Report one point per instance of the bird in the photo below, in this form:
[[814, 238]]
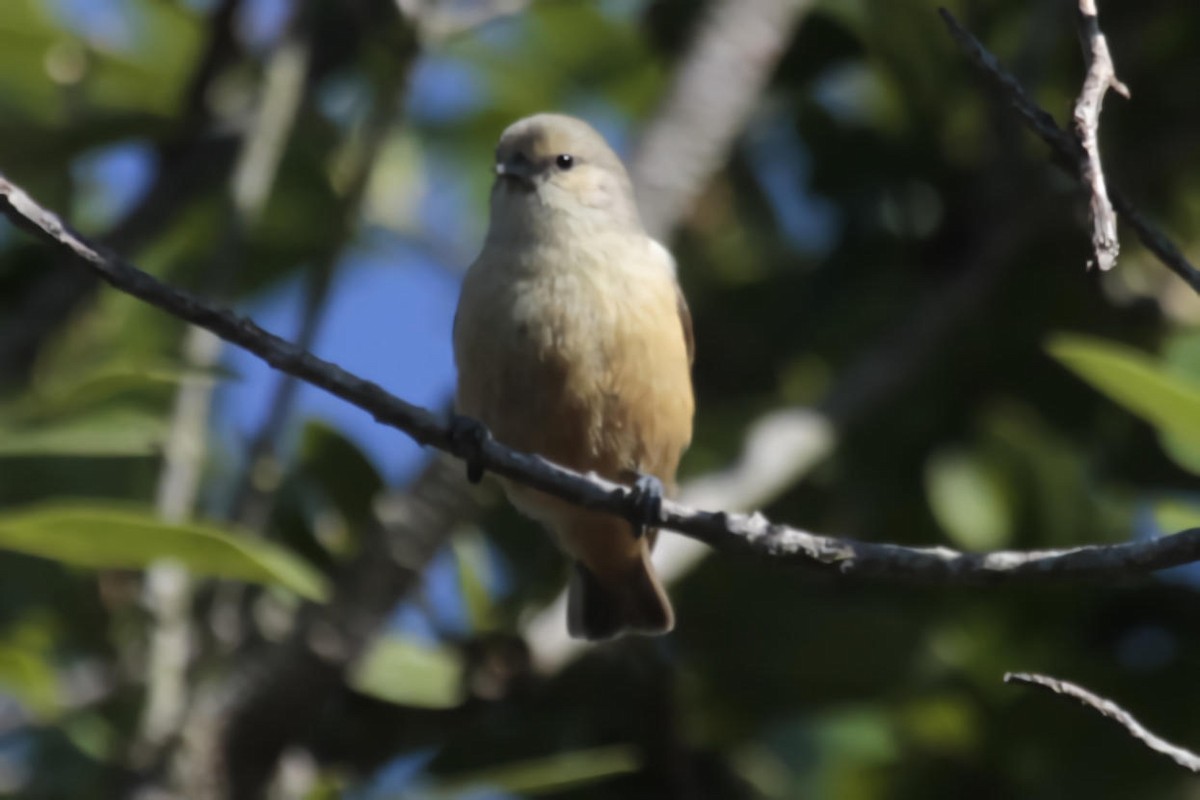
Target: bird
[[573, 341]]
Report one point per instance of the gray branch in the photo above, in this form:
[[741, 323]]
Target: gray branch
[[747, 534], [1067, 150], [1101, 76], [715, 89], [1184, 758]]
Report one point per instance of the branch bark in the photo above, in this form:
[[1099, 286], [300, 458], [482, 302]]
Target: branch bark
[[744, 534], [1067, 150], [1184, 758], [1101, 76], [281, 697], [712, 94]]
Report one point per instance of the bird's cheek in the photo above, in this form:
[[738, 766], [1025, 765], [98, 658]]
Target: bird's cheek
[[593, 193]]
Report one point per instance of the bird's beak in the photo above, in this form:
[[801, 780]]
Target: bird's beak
[[516, 171]]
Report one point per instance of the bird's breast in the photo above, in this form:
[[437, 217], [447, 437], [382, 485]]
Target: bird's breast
[[577, 354]]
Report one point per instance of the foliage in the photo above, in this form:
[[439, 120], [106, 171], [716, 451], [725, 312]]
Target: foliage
[[881, 214]]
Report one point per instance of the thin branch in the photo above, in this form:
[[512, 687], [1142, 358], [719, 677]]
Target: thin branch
[[280, 697], [169, 588], [1067, 150], [440, 22], [711, 96], [1184, 758], [748, 534], [1101, 76]]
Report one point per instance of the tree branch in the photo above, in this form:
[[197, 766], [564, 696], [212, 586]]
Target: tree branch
[[748, 534], [1184, 758], [712, 94], [1101, 76], [1067, 150], [280, 697]]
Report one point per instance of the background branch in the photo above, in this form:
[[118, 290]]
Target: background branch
[[1184, 758], [169, 588], [1068, 151], [712, 94], [1101, 76]]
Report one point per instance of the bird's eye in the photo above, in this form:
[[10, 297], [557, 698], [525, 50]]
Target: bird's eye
[[565, 161]]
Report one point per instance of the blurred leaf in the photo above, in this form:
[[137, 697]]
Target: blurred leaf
[[88, 390], [969, 500], [111, 382], [944, 723], [106, 537], [1173, 515], [864, 733], [114, 432], [398, 670], [344, 473], [1183, 450], [474, 567], [93, 735], [1046, 473], [1182, 355], [1143, 386], [555, 773], [25, 667]]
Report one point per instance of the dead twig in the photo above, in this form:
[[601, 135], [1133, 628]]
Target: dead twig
[[1067, 150], [1101, 76]]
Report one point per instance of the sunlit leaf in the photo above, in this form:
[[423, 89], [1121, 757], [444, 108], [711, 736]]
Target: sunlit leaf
[[110, 537], [1173, 516], [471, 558], [113, 432], [109, 383], [1181, 354], [969, 500], [555, 773], [1141, 384], [406, 673], [26, 671]]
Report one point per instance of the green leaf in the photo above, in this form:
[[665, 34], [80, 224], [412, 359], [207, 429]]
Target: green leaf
[[471, 558], [106, 384], [101, 537], [113, 432], [969, 500], [401, 671], [555, 773], [1172, 515], [26, 671], [344, 473], [1144, 386], [1182, 355]]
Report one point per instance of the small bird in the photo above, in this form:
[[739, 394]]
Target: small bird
[[574, 341]]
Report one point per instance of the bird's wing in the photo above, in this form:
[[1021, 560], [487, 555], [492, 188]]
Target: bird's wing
[[685, 314]]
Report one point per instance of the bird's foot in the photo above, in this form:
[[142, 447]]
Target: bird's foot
[[648, 495], [467, 438]]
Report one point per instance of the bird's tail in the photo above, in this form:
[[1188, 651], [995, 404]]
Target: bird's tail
[[634, 602]]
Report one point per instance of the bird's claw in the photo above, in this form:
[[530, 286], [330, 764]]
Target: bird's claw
[[467, 437], [648, 495]]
